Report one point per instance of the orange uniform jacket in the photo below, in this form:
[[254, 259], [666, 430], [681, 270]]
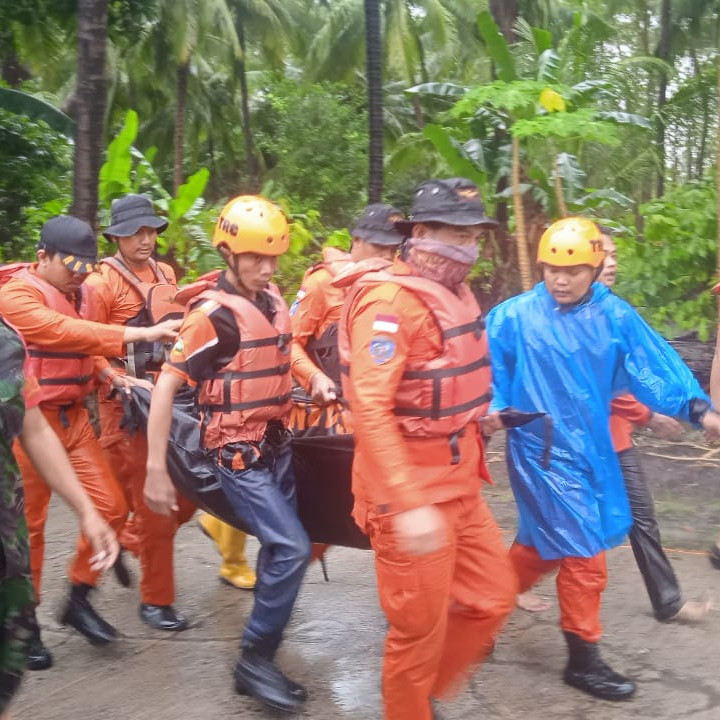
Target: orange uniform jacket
[[116, 300], [626, 412], [393, 472], [23, 305], [317, 305]]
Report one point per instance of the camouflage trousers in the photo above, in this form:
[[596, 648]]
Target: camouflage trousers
[[17, 627], [17, 597]]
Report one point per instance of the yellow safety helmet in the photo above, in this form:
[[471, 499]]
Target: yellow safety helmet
[[250, 223], [571, 241]]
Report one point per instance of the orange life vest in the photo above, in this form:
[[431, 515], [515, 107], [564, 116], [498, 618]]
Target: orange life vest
[[64, 377], [322, 348], [144, 359], [438, 396], [254, 387]]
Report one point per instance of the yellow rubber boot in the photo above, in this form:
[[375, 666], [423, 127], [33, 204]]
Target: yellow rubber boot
[[230, 542]]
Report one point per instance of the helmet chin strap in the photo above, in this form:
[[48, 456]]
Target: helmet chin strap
[[233, 265]]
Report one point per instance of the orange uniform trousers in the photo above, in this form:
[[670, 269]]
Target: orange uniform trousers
[[580, 582], [72, 426], [153, 534], [445, 609]]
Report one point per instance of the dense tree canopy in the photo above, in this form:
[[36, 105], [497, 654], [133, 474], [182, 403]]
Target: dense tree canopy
[[602, 107]]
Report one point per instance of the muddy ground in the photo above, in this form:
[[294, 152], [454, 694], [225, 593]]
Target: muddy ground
[[334, 643]]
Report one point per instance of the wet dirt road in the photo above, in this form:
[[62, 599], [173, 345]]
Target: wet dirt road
[[334, 643]]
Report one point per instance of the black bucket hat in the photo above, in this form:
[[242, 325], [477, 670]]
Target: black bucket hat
[[378, 225], [129, 214], [73, 240], [455, 201]]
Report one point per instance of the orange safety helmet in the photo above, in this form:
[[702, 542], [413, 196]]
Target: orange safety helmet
[[252, 224], [571, 241]]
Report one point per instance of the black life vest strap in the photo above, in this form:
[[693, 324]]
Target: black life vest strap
[[476, 327], [435, 413], [439, 374], [50, 354], [251, 374], [280, 341], [78, 380], [455, 446], [235, 407]]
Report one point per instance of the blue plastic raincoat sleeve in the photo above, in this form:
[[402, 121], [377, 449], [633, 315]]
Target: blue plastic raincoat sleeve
[[652, 370], [502, 363]]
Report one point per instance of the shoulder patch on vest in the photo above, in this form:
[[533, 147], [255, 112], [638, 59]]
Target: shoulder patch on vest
[[382, 349]]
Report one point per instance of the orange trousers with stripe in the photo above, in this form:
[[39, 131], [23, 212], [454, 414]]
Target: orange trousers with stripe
[[580, 583], [445, 609], [152, 535], [73, 428]]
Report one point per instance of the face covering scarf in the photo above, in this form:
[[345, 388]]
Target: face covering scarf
[[447, 264]]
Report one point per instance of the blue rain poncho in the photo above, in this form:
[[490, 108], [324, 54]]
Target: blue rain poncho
[[570, 363]]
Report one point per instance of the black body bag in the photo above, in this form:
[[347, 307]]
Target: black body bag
[[323, 467]]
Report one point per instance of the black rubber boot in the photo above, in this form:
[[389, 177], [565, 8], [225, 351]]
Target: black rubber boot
[[120, 570], [586, 671], [81, 615], [256, 675], [38, 657], [163, 617]]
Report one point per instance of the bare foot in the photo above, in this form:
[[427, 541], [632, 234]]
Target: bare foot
[[692, 611], [530, 602]]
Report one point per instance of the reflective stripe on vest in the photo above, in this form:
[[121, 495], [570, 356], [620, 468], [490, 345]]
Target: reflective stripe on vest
[[64, 377], [254, 387]]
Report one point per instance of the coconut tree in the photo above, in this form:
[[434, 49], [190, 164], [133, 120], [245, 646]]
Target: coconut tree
[[373, 52], [267, 25], [415, 39], [90, 106], [182, 30]]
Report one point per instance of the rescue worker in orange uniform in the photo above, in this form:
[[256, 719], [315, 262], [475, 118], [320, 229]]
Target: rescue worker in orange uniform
[[131, 289], [418, 385], [314, 360], [316, 311], [235, 345], [46, 303], [315, 314]]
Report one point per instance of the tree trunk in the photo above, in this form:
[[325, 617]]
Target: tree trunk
[[520, 237], [559, 194], [12, 71], [183, 70], [705, 124], [644, 26], [717, 163], [505, 13], [663, 52], [90, 115], [373, 55], [250, 158], [424, 77]]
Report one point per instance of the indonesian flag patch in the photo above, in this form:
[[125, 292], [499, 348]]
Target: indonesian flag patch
[[385, 323]]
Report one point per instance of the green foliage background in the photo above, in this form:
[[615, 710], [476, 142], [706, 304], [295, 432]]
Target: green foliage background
[[459, 83]]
